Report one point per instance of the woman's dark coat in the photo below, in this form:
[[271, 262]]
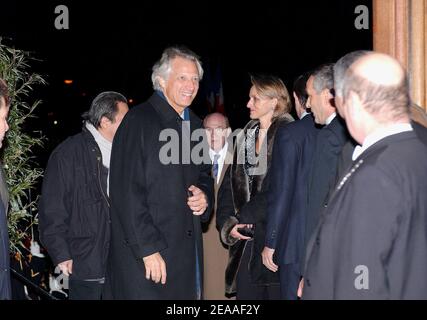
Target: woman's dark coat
[[235, 205]]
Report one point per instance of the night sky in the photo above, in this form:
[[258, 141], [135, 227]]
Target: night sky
[[113, 47]]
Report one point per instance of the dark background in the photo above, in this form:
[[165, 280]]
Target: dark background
[[113, 47]]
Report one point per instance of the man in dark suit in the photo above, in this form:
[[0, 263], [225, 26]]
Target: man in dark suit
[[287, 199], [329, 143], [160, 190], [5, 288], [417, 114], [215, 252], [370, 242], [340, 68]]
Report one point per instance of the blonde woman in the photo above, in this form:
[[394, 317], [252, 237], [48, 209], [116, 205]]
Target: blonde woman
[[241, 215]]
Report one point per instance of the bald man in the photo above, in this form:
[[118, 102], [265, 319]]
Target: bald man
[[417, 114], [371, 241], [215, 254]]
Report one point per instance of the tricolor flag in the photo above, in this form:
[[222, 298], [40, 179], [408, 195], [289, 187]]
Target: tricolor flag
[[213, 90]]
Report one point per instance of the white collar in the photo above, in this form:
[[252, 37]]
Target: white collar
[[330, 119], [303, 114], [221, 152], [97, 135], [380, 134]]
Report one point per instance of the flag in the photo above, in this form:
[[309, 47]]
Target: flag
[[219, 95], [213, 89]]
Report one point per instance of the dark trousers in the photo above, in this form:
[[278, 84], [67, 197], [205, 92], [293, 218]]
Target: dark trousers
[[289, 281], [85, 290], [246, 290]]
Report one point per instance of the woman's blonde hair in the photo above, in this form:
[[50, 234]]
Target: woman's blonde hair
[[272, 87]]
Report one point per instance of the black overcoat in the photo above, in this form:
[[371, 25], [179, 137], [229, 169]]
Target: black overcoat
[[149, 208], [371, 241]]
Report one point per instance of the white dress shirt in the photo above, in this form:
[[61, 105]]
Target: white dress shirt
[[222, 153], [330, 118], [304, 114], [378, 135]]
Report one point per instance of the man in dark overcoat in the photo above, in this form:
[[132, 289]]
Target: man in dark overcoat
[[371, 240], [161, 189]]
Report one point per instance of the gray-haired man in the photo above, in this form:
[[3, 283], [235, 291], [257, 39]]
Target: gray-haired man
[[329, 143], [74, 207], [157, 205]]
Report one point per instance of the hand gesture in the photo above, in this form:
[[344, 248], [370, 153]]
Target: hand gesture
[[198, 202]]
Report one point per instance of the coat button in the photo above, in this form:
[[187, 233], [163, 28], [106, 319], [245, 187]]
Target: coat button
[[308, 282], [318, 241], [189, 233]]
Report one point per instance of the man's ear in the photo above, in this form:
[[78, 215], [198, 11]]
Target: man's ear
[[353, 105], [328, 97], [162, 82], [296, 98], [105, 122]]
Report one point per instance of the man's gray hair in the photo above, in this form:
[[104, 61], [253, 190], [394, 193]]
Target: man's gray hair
[[323, 77], [341, 66], [162, 68], [104, 105]]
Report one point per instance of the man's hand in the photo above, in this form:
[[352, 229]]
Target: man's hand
[[267, 259], [66, 267], [155, 268], [235, 234], [300, 288], [198, 202]]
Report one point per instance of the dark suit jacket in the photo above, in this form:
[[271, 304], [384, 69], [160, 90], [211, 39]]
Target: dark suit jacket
[[376, 221], [287, 198], [329, 143], [149, 210]]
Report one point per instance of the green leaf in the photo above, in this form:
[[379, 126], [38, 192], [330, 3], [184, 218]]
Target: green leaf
[[21, 172]]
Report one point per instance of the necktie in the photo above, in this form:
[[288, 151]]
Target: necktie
[[215, 165]]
